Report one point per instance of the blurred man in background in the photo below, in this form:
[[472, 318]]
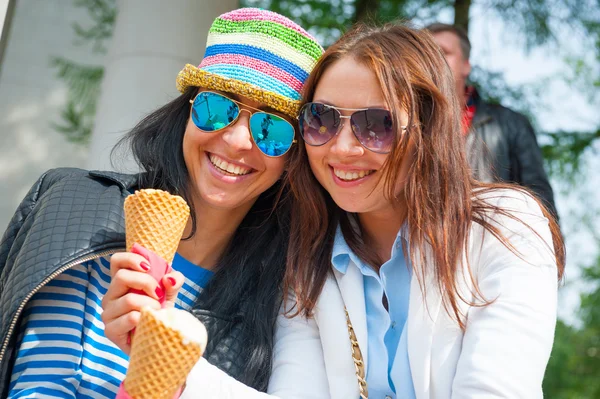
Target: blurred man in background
[[501, 143]]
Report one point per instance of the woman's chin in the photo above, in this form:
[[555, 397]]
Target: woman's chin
[[224, 201], [350, 206]]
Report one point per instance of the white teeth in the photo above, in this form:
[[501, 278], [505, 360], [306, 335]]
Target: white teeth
[[227, 167], [348, 176]]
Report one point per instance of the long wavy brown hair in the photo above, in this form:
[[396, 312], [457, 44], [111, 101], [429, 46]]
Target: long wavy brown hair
[[413, 75]]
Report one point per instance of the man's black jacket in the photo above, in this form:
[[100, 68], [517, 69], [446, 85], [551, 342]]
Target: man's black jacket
[[502, 146]]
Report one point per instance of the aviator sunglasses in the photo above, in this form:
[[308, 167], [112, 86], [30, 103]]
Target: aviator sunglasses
[[372, 127], [272, 134]]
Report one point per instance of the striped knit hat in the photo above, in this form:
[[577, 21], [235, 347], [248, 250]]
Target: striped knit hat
[[257, 54]]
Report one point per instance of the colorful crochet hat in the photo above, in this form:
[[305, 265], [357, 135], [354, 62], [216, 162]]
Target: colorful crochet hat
[[257, 54]]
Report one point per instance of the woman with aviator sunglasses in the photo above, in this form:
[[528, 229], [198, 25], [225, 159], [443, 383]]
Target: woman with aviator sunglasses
[[223, 146], [448, 285], [409, 279], [271, 133]]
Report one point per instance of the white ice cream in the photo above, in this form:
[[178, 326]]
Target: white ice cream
[[190, 327]]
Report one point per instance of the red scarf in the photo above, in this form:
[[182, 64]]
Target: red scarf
[[469, 110]]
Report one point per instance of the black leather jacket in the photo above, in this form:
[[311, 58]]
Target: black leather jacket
[[502, 146], [70, 216]]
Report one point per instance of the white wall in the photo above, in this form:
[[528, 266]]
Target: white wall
[[152, 42], [31, 96]]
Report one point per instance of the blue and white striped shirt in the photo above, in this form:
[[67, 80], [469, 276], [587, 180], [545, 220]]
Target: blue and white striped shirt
[[63, 352]]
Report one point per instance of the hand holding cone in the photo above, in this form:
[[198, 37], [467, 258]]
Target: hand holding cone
[[162, 353], [167, 344]]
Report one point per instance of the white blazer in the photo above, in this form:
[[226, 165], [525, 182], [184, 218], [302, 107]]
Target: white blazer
[[502, 353]]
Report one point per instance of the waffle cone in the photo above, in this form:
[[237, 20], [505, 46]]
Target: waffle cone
[[155, 219], [161, 358]]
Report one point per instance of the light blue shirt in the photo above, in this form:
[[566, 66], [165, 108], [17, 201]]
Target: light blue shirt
[[388, 369]]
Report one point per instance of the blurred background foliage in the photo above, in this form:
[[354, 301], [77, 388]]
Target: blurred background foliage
[[574, 368], [83, 81]]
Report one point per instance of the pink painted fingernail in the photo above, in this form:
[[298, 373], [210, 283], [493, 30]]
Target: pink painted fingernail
[[171, 281], [145, 265]]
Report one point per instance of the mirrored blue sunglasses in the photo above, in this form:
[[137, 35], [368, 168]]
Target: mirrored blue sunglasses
[[272, 134]]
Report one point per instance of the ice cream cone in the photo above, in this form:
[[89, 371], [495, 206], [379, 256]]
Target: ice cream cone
[[155, 219], [166, 346]]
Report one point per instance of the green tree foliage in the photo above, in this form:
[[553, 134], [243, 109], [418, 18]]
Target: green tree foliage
[[574, 367], [328, 19], [532, 22], [325, 19], [565, 152], [83, 81]]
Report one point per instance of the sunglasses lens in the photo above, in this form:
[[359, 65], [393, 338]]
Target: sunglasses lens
[[212, 111], [374, 129], [273, 135], [318, 123]]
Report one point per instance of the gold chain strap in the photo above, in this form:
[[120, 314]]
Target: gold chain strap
[[359, 364]]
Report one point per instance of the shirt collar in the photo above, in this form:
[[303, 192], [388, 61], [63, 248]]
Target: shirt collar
[[340, 257], [342, 254]]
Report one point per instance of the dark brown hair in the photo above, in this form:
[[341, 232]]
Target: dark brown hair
[[413, 76], [257, 249]]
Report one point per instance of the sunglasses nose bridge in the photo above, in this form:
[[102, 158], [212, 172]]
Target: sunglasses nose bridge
[[345, 142], [237, 135], [250, 113], [343, 124], [342, 120]]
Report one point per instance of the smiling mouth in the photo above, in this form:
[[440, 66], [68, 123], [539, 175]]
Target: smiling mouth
[[228, 168], [351, 175]]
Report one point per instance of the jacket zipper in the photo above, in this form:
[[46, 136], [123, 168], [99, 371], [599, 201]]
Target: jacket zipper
[[69, 265]]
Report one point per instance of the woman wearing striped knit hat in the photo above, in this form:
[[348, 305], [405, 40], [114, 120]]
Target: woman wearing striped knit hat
[[223, 146]]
